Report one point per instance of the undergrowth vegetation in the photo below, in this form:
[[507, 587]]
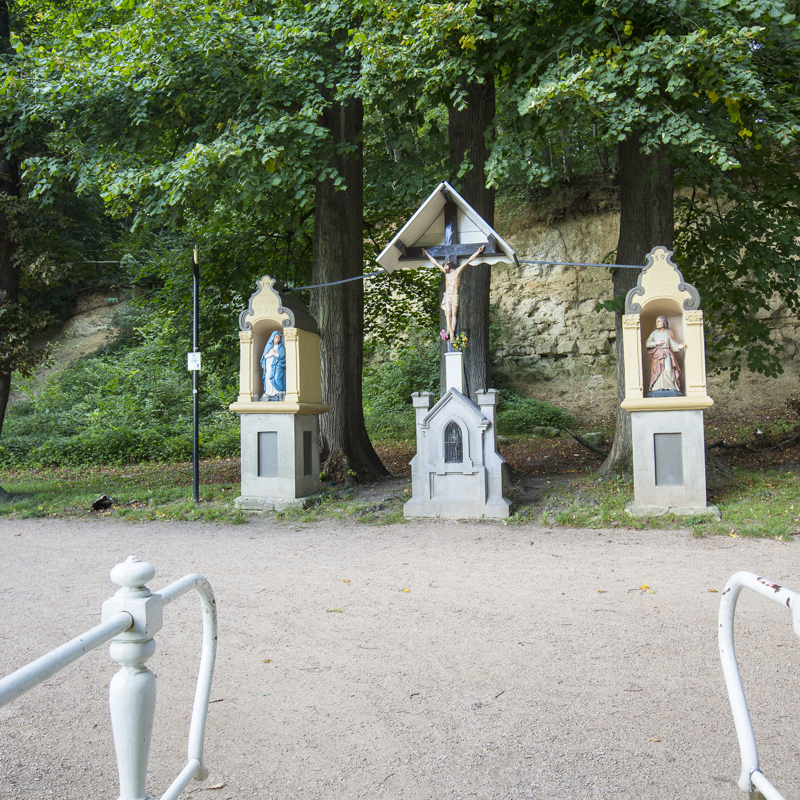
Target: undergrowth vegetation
[[128, 404], [131, 402], [391, 377]]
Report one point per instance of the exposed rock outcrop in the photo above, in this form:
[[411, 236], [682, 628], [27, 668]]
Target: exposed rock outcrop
[[550, 328]]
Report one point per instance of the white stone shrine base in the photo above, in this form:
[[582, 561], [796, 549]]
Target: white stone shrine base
[[260, 505], [681, 511], [495, 508]]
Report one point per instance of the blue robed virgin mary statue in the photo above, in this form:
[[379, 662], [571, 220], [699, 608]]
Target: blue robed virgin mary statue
[[273, 365]]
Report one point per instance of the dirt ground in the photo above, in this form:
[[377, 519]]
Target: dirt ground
[[430, 660]]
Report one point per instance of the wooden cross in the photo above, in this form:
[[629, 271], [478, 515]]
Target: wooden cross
[[451, 249]]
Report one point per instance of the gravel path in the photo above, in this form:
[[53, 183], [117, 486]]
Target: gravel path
[[520, 663]]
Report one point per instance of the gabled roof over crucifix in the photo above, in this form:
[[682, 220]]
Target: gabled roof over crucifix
[[448, 227]]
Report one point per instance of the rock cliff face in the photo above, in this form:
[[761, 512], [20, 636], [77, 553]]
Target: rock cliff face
[[546, 312], [550, 329]]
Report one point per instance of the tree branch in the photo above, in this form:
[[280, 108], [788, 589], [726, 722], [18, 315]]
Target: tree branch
[[580, 440], [749, 449]]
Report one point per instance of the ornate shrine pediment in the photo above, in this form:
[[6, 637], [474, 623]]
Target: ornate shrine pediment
[[455, 403], [448, 227], [269, 302]]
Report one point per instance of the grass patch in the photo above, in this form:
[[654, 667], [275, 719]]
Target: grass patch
[[156, 492], [756, 503], [140, 492], [332, 507], [763, 504]]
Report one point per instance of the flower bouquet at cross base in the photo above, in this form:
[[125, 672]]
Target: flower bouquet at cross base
[[459, 342]]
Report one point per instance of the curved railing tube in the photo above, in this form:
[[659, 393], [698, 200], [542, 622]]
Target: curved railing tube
[[751, 777], [131, 618], [202, 695]]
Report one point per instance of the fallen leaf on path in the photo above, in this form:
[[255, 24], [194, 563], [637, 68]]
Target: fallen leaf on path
[[602, 591], [345, 580], [406, 590], [654, 740], [714, 591], [337, 610]]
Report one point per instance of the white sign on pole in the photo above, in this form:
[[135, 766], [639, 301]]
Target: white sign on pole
[[193, 362]]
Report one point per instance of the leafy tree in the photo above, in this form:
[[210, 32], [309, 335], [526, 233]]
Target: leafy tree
[[689, 92], [219, 110], [423, 56], [244, 120], [42, 251], [10, 350]]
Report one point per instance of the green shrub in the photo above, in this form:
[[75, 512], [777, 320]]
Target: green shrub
[[517, 414], [389, 381], [129, 405], [391, 377]]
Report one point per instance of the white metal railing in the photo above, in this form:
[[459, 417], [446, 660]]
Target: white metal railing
[[751, 778], [131, 618]]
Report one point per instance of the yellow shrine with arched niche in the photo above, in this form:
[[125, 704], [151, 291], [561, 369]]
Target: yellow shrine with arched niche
[[272, 311], [279, 422], [665, 391], [662, 292]]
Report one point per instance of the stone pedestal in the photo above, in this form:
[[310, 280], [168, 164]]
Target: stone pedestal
[[669, 464], [280, 460], [454, 370], [457, 472]]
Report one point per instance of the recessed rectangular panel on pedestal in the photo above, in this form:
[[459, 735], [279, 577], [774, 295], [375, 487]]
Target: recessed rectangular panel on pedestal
[[307, 459], [668, 449], [268, 454]]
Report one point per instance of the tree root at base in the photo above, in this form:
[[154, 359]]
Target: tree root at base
[[340, 468], [580, 440]]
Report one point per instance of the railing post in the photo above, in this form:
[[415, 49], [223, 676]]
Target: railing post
[[132, 693]]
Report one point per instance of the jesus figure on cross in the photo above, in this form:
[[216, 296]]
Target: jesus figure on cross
[[452, 280]]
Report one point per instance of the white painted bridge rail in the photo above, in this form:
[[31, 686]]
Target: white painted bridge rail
[[31, 675], [131, 618], [751, 777]]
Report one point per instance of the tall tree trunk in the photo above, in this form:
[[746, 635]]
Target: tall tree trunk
[[9, 270], [647, 219], [347, 453], [467, 132]]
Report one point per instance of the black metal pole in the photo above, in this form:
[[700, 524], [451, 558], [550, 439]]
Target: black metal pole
[[195, 377]]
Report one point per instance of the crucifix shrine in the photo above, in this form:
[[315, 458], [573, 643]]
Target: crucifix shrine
[[452, 282], [444, 231], [457, 472]]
